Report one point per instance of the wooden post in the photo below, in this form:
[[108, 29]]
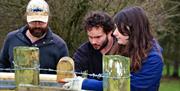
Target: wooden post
[[64, 68], [26, 63], [116, 68]]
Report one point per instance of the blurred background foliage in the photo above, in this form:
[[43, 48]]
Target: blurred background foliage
[[67, 16]]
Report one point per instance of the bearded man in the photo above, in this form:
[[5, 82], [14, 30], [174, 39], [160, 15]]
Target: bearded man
[[35, 34], [88, 57]]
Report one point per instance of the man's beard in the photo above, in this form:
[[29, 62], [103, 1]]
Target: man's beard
[[37, 31], [104, 44]]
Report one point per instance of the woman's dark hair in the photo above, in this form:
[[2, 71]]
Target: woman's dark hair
[[133, 22], [98, 19]]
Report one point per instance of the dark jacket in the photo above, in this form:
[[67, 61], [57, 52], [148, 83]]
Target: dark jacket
[[88, 59], [51, 49], [146, 79]]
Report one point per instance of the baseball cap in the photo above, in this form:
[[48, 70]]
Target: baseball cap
[[37, 10]]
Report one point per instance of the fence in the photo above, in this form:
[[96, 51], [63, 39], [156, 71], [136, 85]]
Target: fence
[[27, 78]]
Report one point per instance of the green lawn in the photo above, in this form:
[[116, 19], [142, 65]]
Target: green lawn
[[169, 84]]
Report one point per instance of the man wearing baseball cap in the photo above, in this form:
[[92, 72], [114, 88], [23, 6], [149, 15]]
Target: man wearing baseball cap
[[35, 33]]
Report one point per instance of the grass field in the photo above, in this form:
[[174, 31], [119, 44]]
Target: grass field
[[170, 84]]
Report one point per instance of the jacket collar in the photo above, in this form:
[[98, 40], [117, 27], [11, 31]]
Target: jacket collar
[[23, 29]]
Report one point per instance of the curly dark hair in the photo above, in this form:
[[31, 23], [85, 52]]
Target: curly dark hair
[[98, 19]]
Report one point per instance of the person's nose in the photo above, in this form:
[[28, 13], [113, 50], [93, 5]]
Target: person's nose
[[115, 32], [93, 41]]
